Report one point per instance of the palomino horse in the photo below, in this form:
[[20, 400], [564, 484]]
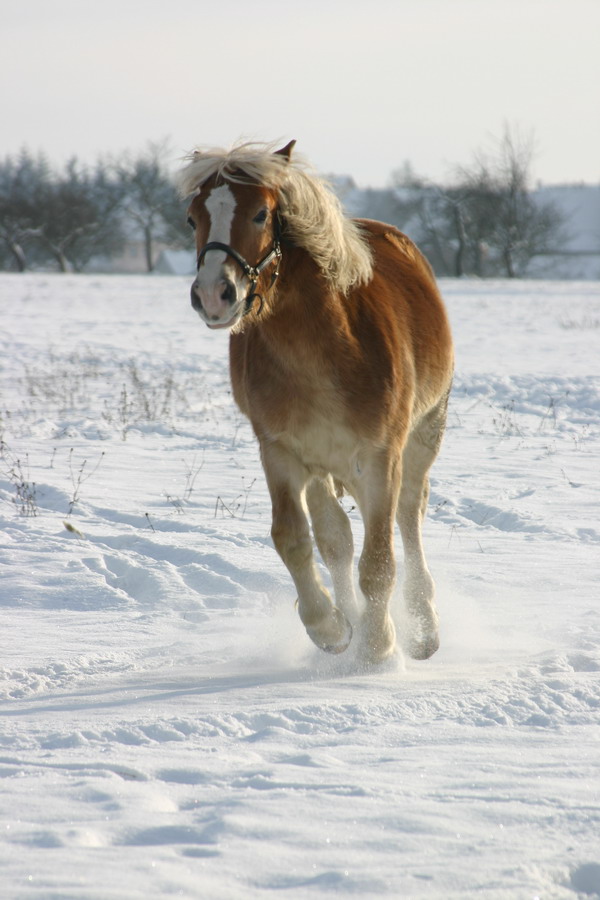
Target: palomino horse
[[341, 357]]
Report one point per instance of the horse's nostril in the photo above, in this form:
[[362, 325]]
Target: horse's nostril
[[228, 293], [195, 298]]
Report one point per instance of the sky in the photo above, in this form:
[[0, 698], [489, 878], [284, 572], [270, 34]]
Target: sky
[[362, 85]]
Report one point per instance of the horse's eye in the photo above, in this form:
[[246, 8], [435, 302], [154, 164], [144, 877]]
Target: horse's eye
[[261, 216], [191, 223]]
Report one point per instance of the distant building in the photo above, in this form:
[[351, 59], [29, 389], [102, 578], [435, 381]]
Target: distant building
[[579, 257], [176, 262], [130, 261]]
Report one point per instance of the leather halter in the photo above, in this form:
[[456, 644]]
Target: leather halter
[[251, 272]]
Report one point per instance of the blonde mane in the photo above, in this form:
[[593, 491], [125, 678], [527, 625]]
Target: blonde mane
[[313, 215]]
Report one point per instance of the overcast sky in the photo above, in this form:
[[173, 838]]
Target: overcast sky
[[362, 84]]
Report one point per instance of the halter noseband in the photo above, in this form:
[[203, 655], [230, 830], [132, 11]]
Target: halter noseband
[[251, 272]]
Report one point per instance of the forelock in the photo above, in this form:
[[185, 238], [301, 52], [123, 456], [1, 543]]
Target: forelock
[[246, 163]]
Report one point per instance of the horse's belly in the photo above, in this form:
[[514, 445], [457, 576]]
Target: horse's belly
[[325, 450]]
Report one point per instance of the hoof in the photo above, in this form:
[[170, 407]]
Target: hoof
[[422, 637], [422, 645], [423, 649], [374, 653], [335, 637], [377, 641]]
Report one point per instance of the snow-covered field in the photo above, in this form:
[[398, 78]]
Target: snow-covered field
[[166, 727]]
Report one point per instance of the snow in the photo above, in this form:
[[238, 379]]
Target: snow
[[167, 728]]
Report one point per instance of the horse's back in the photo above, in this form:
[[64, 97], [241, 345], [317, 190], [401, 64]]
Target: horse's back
[[401, 262], [404, 296]]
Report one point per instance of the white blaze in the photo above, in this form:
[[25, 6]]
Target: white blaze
[[220, 205]]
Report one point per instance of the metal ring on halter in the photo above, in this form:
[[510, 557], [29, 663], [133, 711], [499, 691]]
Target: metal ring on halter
[[249, 301]]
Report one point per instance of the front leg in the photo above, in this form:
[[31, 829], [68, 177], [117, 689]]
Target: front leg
[[333, 537], [286, 477]]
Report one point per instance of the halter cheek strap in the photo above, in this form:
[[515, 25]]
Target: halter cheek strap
[[251, 272]]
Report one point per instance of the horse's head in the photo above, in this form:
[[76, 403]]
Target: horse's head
[[237, 230], [236, 234]]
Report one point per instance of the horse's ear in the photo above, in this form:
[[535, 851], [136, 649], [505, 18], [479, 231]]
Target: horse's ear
[[286, 151]]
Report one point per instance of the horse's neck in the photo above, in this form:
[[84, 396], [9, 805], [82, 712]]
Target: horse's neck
[[298, 329]]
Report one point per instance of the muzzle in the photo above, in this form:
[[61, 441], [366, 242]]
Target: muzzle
[[252, 273]]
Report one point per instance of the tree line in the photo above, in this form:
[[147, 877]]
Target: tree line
[[66, 217], [484, 221]]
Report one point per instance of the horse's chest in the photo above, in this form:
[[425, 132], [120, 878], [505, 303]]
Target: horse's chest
[[308, 419]]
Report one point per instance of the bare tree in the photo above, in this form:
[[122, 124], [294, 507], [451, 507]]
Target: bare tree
[[66, 217], [432, 234], [485, 220], [502, 208], [150, 200], [79, 216], [22, 180]]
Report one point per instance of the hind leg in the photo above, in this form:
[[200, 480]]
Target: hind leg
[[333, 537], [419, 589]]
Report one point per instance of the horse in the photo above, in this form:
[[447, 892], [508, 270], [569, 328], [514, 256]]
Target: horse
[[341, 357]]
